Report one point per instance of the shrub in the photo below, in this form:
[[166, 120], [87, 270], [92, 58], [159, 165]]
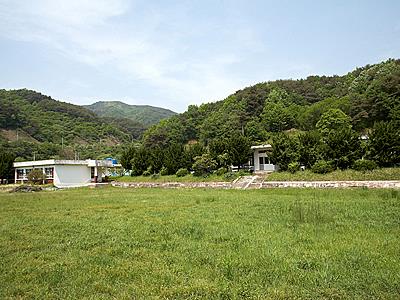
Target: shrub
[[322, 167], [242, 173], [182, 172], [293, 167], [155, 176], [364, 165], [148, 172], [230, 176], [221, 171], [164, 171], [36, 176], [203, 165]]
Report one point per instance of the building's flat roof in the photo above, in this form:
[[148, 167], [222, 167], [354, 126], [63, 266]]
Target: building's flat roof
[[50, 162], [265, 146]]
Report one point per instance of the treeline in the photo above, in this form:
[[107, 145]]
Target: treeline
[[28, 150], [335, 145], [324, 122], [289, 111], [180, 159], [366, 95]]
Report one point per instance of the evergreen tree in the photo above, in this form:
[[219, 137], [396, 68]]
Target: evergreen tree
[[309, 148], [385, 143], [238, 149], [6, 166], [342, 147], [284, 150]]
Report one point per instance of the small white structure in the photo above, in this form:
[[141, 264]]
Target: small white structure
[[65, 173], [261, 161]]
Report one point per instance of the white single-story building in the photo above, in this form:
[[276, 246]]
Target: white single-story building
[[261, 160], [65, 173]]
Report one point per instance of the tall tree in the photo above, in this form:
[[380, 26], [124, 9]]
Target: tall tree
[[239, 151], [6, 166], [284, 150], [309, 148], [385, 143], [333, 119], [342, 147]]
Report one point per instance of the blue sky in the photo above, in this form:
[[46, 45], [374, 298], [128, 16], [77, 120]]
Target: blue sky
[[175, 53]]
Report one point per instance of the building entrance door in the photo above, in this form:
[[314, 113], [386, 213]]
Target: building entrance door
[[261, 162]]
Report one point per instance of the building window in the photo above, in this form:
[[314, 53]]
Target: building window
[[92, 172], [49, 172], [20, 173], [27, 171]]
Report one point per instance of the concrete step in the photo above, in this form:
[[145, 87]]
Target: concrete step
[[245, 182]]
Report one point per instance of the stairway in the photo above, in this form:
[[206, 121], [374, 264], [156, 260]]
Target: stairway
[[246, 182]]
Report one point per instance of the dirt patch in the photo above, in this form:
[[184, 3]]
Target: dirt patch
[[11, 135]]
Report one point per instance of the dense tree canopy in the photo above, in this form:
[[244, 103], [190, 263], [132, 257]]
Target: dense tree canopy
[[34, 123], [365, 96], [305, 119]]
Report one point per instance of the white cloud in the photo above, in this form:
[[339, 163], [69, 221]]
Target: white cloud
[[94, 32]]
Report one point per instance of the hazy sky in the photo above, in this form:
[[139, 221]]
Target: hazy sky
[[175, 53]]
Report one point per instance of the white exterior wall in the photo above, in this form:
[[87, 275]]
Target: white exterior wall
[[68, 173], [267, 166], [71, 175]]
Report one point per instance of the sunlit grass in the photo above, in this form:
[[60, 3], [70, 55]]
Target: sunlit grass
[[338, 175], [200, 244]]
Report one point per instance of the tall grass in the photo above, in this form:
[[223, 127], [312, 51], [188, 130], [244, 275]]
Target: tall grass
[[112, 243]]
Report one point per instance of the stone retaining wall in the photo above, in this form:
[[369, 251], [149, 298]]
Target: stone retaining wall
[[262, 185], [331, 184], [212, 185]]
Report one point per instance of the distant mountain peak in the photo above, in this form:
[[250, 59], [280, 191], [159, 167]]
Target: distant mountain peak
[[145, 114]]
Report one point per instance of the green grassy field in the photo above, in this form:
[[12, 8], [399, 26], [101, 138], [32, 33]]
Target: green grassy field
[[111, 243], [338, 175]]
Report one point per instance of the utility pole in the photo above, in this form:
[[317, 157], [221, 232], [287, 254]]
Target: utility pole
[[17, 134], [62, 143]]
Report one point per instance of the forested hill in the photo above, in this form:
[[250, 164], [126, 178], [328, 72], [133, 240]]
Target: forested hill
[[32, 122], [367, 95], [145, 114]]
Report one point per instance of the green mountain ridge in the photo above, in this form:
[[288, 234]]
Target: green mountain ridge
[[34, 123], [366, 95], [145, 114]]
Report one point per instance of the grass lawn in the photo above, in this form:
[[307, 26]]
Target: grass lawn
[[378, 174], [195, 244]]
